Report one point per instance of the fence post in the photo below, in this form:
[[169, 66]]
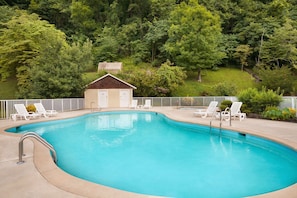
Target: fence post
[[70, 104], [6, 109], [296, 105]]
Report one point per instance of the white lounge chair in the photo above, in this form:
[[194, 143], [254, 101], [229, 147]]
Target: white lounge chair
[[147, 104], [23, 113], [134, 104], [233, 112], [210, 111], [41, 110]]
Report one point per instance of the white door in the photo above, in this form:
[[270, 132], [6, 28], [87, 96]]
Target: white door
[[102, 99], [124, 98]]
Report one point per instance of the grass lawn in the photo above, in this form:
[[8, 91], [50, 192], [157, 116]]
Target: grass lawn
[[241, 80]]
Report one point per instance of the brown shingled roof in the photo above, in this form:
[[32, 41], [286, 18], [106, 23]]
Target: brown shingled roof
[[109, 81]]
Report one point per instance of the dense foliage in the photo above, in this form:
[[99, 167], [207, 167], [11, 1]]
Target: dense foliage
[[256, 101], [274, 113], [194, 34], [158, 82]]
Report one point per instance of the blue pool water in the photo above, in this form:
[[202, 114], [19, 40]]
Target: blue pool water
[[148, 153]]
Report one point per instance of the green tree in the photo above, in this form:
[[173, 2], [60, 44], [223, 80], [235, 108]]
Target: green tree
[[128, 34], [277, 78], [156, 36], [169, 78], [58, 72], [112, 16], [242, 52], [158, 26], [132, 10], [279, 9], [230, 43], [82, 17], [22, 4], [194, 37], [161, 8], [43, 62], [21, 40], [281, 48], [144, 80], [106, 45], [6, 13], [155, 82], [255, 20], [55, 12], [226, 9]]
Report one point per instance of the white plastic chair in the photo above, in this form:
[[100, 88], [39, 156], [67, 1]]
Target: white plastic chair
[[147, 104], [134, 104], [233, 112], [41, 110], [23, 113], [210, 111]]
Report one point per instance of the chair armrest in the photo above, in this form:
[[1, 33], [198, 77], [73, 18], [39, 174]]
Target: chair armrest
[[226, 111]]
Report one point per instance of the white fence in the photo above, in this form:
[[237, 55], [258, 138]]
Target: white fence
[[183, 101], [71, 104], [60, 105], [289, 101]]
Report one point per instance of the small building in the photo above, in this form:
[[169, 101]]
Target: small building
[[108, 91], [113, 67]]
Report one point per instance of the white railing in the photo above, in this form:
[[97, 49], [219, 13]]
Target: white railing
[[71, 104], [183, 101], [60, 105], [289, 101]]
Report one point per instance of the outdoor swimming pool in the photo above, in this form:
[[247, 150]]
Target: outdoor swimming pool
[[145, 152]]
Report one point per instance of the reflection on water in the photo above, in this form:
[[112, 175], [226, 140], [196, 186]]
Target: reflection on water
[[110, 130], [114, 122]]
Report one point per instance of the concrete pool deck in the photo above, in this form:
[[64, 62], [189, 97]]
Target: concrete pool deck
[[40, 177]]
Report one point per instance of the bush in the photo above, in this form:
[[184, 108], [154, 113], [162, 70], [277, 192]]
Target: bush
[[257, 101], [246, 97], [244, 108], [289, 113], [31, 108], [275, 113], [224, 89], [224, 104], [277, 78]]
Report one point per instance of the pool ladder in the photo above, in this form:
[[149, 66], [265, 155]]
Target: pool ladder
[[39, 139], [210, 123]]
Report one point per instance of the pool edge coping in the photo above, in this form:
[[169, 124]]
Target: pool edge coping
[[55, 176]]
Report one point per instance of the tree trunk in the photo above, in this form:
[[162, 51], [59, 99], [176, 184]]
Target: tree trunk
[[261, 44], [199, 75], [153, 52]]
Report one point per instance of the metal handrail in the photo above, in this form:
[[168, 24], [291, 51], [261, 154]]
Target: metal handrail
[[211, 119], [210, 122], [41, 140]]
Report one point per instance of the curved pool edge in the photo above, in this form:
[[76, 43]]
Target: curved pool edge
[[55, 176]]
